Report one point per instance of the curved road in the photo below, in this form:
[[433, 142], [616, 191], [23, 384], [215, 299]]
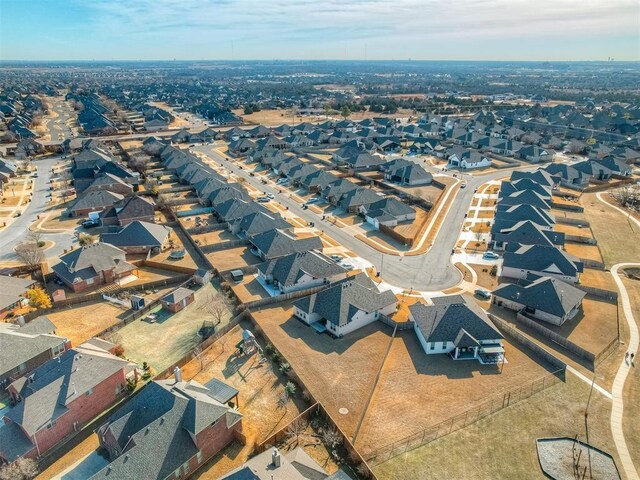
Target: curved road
[[17, 231], [432, 271]]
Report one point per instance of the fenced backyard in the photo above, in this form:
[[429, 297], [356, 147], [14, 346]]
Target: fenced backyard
[[429, 434]]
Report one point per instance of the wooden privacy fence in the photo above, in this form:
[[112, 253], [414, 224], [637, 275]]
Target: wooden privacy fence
[[429, 434]]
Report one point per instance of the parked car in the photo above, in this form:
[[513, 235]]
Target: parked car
[[271, 196], [482, 293], [90, 223], [282, 181], [263, 199], [312, 200], [347, 266], [490, 256], [336, 258]]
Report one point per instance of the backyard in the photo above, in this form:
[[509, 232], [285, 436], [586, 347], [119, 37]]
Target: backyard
[[171, 336], [502, 445]]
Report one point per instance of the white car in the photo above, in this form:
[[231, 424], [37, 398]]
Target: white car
[[347, 266]]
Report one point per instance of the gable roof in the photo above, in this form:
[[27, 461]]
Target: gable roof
[[88, 261], [448, 316], [277, 243], [159, 422], [287, 270], [539, 258], [138, 234], [12, 289], [546, 294], [341, 301]]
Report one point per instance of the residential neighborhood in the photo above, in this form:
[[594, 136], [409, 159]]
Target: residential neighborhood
[[247, 270]]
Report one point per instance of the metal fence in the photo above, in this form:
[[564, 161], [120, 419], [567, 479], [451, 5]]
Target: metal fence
[[429, 434]]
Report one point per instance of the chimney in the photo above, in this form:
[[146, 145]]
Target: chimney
[[178, 374], [275, 458]]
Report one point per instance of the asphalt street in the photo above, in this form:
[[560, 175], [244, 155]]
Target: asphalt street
[[432, 271]]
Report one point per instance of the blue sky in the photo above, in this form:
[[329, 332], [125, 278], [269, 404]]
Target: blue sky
[[329, 29]]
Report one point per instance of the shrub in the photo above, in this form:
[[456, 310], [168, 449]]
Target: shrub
[[285, 367], [269, 349], [119, 350], [131, 384], [290, 388]]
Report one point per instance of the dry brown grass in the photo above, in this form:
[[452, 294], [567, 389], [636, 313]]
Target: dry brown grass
[[338, 372], [80, 323], [232, 258], [416, 390], [78, 452], [503, 445], [583, 250]]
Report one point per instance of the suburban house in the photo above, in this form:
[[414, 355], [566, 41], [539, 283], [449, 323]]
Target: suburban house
[[524, 197], [60, 397], [569, 176], [543, 298], [127, 210], [93, 265], [388, 212], [300, 270], [13, 292], [178, 299], [526, 233], [596, 170], [353, 199], [25, 346], [274, 465], [110, 182], [168, 430], [278, 243], [464, 158], [345, 306], [534, 154], [508, 217], [459, 327], [542, 261], [405, 172], [94, 201], [140, 237], [617, 166]]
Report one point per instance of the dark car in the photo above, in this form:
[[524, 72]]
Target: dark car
[[90, 223]]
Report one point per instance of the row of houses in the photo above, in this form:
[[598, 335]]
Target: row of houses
[[534, 256]]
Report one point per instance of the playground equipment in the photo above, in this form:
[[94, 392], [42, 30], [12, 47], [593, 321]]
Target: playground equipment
[[249, 344]]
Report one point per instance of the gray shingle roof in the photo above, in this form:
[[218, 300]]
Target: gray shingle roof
[[158, 421], [20, 344], [57, 383], [341, 301], [87, 261], [443, 321], [540, 258], [276, 243], [138, 234], [12, 289], [289, 269], [546, 294]]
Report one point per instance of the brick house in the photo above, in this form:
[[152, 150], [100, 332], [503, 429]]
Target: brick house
[[26, 347], [178, 427], [178, 299], [140, 238], [127, 210], [93, 265], [60, 397], [12, 293]]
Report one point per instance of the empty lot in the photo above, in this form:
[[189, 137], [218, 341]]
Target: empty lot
[[82, 322]]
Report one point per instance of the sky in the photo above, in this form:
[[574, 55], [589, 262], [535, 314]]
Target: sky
[[548, 30]]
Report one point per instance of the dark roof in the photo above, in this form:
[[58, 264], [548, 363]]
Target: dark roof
[[289, 269], [138, 233], [444, 320], [57, 383], [220, 391], [19, 344], [12, 289], [538, 258], [160, 422], [87, 261], [341, 301], [13, 442], [276, 243], [546, 294]]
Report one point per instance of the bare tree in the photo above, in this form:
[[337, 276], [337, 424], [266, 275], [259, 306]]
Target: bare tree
[[283, 400], [217, 305], [296, 429], [139, 163], [332, 437], [30, 253], [627, 196], [21, 469]]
